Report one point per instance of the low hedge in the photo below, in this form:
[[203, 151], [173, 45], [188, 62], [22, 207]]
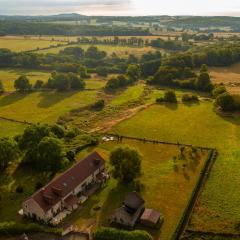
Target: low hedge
[[19, 228], [116, 234]]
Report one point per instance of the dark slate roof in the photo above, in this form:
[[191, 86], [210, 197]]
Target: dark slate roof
[[133, 200], [62, 185]]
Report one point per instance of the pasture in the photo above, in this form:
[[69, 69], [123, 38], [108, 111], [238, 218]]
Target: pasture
[[9, 75], [121, 51], [43, 106], [218, 208], [19, 45], [167, 185]]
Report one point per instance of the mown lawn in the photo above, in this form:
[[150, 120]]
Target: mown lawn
[[167, 186], [218, 209], [18, 45], [43, 106]]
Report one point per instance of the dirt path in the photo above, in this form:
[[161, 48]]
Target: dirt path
[[109, 123]]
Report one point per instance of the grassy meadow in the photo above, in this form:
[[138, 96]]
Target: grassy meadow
[[10, 129], [9, 75], [43, 106], [19, 45], [218, 209], [122, 51], [167, 185]]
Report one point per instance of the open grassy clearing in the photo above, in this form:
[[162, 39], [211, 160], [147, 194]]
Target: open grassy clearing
[[10, 129], [129, 96], [218, 209], [18, 45], [43, 106], [122, 51], [174, 186], [8, 76], [230, 76]]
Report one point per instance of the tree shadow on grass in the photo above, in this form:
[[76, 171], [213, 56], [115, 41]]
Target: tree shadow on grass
[[12, 98], [171, 106], [191, 104], [49, 99], [232, 117]]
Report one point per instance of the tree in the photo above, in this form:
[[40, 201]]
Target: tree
[[22, 84], [76, 82], [50, 153], [226, 102], [218, 90], [169, 96], [1, 87], [102, 71], [62, 82], [38, 84], [126, 162], [204, 68], [58, 130], [133, 72], [203, 82], [8, 152]]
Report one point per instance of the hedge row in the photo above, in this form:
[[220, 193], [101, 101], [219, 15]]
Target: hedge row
[[116, 234], [20, 228]]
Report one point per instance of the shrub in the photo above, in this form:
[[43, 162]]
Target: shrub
[[218, 90], [113, 234], [189, 98], [99, 105], [102, 71], [169, 96], [226, 102], [58, 130]]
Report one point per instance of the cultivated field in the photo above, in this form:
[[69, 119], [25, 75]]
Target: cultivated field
[[167, 185], [19, 45], [230, 76]]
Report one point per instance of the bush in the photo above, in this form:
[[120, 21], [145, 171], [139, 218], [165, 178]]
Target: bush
[[169, 96], [99, 105], [189, 98], [102, 71], [113, 234], [58, 130], [218, 90], [226, 102]]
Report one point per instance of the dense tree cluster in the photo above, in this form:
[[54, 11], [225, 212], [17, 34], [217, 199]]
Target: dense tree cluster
[[169, 97]]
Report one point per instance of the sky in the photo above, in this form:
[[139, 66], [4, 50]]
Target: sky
[[121, 7]]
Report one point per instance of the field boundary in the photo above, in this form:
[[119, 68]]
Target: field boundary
[[15, 121]]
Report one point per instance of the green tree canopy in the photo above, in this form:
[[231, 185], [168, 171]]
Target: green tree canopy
[[1, 87], [22, 84], [8, 151], [126, 163], [133, 72]]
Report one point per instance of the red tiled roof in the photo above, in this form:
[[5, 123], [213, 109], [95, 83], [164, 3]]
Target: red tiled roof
[[71, 200], [61, 186], [150, 215]]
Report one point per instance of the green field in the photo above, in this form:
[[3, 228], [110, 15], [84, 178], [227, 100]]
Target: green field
[[129, 96], [167, 186], [122, 51], [43, 106], [218, 209], [8, 76], [10, 129], [18, 45]]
